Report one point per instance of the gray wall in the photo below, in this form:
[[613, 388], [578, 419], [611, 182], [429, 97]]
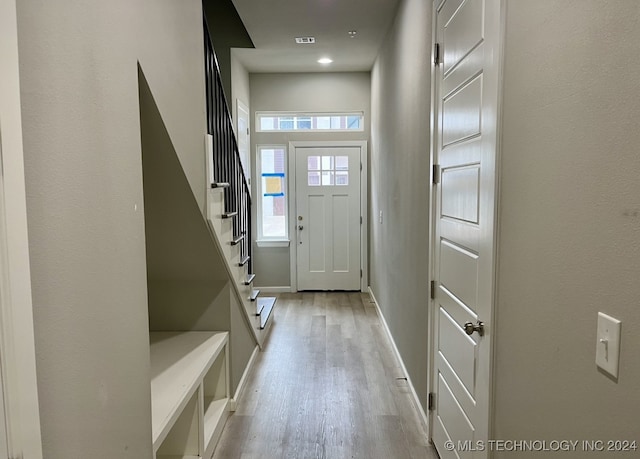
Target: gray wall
[[304, 92], [570, 225], [240, 92], [400, 189], [239, 88], [226, 31], [569, 234], [185, 272], [79, 88], [188, 284]]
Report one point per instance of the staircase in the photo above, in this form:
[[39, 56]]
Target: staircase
[[229, 201]]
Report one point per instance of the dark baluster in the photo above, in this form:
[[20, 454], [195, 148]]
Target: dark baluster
[[249, 238], [244, 221], [236, 202], [244, 206], [240, 221], [222, 170], [247, 225], [226, 160]]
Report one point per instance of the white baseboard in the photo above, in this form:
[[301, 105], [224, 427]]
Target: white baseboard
[[421, 412], [234, 401], [274, 289]]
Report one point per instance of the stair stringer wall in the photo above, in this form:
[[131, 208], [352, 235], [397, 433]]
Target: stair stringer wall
[[222, 230], [189, 286]]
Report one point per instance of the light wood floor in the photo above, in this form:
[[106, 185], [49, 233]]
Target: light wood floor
[[326, 386]]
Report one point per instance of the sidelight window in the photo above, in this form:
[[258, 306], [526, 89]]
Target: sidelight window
[[272, 194]]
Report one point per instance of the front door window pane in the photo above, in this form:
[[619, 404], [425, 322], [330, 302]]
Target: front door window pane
[[327, 178], [342, 163], [342, 178], [313, 163], [313, 179]]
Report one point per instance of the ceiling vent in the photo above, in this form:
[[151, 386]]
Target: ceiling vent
[[305, 40]]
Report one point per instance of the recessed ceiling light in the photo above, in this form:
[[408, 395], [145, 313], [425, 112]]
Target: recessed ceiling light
[[305, 40], [325, 60]]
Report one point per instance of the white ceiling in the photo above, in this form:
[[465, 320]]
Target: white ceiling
[[274, 24]]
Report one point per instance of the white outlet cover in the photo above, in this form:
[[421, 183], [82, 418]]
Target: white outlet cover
[[608, 344]]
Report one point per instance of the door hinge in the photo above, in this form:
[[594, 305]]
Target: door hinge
[[360, 166], [431, 401], [436, 54], [361, 220], [360, 273], [436, 173], [433, 290]]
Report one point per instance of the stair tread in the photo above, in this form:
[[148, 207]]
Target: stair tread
[[229, 214], [249, 279], [237, 240], [263, 302], [244, 261], [219, 185], [254, 294], [268, 303]]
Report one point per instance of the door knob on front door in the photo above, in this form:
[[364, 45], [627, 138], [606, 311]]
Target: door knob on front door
[[300, 227], [469, 328]]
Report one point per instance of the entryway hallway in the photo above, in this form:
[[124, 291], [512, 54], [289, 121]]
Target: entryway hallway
[[327, 386]]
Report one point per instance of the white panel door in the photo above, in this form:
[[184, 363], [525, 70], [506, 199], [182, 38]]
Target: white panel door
[[328, 218], [465, 109]]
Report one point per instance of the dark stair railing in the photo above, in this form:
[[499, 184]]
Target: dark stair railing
[[227, 167]]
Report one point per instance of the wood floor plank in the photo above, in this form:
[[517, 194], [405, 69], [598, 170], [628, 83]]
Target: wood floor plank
[[326, 386]]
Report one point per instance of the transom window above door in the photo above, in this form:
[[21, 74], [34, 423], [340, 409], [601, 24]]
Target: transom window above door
[[328, 171], [326, 122]]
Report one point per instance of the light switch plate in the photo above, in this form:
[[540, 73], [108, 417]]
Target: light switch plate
[[608, 344]]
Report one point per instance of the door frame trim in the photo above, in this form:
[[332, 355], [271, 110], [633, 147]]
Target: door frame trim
[[364, 228], [433, 132], [17, 341], [241, 106]]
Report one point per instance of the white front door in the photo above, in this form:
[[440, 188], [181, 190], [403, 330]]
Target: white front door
[[465, 108], [328, 218]]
